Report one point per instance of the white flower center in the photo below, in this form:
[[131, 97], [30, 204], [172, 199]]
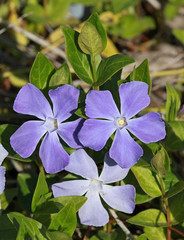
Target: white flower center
[[96, 185], [120, 122], [51, 124]]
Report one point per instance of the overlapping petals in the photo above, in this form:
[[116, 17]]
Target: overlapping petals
[[30, 100], [92, 212], [106, 119]]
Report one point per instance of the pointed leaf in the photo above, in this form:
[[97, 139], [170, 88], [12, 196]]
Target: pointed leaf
[[41, 189], [172, 104], [41, 71], [110, 66], [178, 128], [79, 60], [61, 76], [149, 218], [176, 207], [57, 235], [175, 189], [89, 40], [155, 233], [95, 20], [141, 73], [147, 180], [65, 220]]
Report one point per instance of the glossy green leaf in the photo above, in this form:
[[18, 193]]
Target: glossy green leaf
[[110, 66], [79, 60], [175, 189], [149, 218], [65, 220], [95, 20], [26, 187], [7, 197], [6, 130], [161, 161], [178, 128], [176, 207], [89, 40], [172, 104], [155, 233], [61, 76], [141, 73], [41, 189], [147, 180], [41, 71]]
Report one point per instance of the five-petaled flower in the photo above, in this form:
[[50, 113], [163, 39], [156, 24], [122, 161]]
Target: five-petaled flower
[[92, 212], [30, 100], [106, 119], [3, 155]]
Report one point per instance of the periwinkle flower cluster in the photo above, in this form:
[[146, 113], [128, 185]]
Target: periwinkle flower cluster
[[104, 120]]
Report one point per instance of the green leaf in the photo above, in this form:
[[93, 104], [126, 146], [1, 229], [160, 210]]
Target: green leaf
[[8, 230], [41, 71], [171, 10], [178, 128], [7, 197], [142, 237], [149, 218], [65, 220], [147, 180], [26, 187], [155, 233], [6, 130], [57, 235], [118, 234], [110, 66], [95, 20], [141, 73], [61, 76], [27, 227], [161, 161], [89, 40], [37, 13], [179, 34], [172, 104], [41, 189], [79, 60], [176, 207], [175, 189]]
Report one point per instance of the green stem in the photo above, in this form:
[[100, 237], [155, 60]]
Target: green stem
[[40, 166], [167, 208], [94, 71]]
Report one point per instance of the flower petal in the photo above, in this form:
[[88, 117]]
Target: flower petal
[[95, 133], [124, 150], [52, 154], [148, 128], [100, 104], [121, 198], [26, 138], [82, 165], [68, 131], [110, 166], [3, 153], [30, 100], [70, 188], [92, 212], [65, 101], [2, 179], [134, 97]]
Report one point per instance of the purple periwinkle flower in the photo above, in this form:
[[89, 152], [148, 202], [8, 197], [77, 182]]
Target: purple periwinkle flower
[[30, 100], [92, 212], [106, 119], [3, 155]]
